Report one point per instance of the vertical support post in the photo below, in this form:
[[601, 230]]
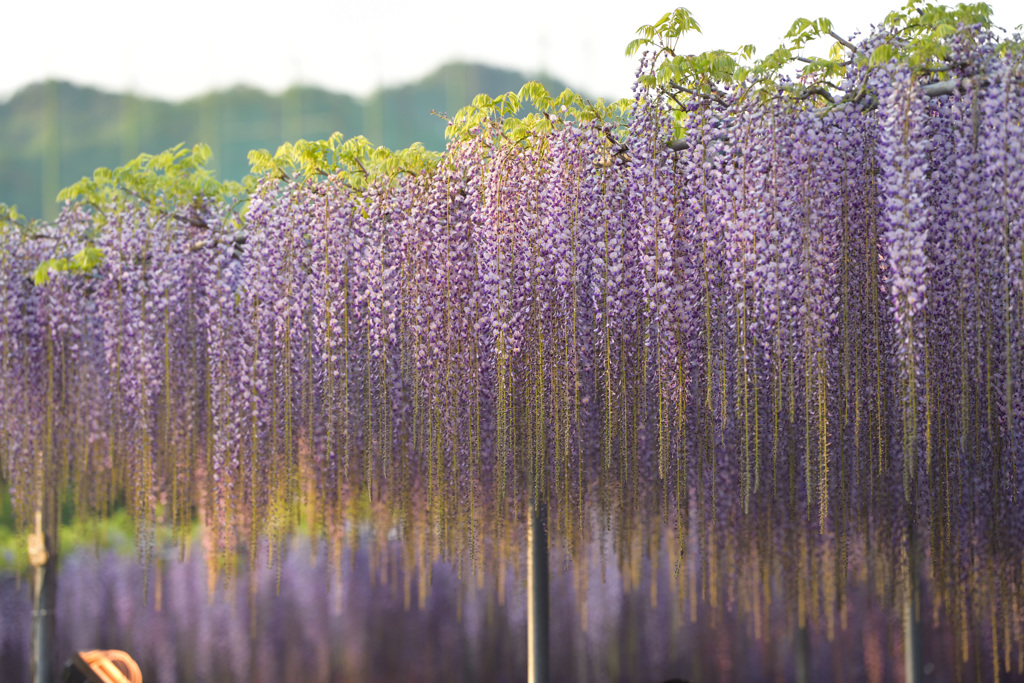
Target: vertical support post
[[911, 614], [42, 555], [44, 598], [537, 613], [803, 654]]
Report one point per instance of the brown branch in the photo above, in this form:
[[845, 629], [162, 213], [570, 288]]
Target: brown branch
[[940, 88], [808, 60], [843, 41], [717, 99], [194, 222], [237, 240], [816, 90]]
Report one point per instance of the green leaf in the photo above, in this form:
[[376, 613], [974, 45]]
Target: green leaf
[[9, 214], [798, 27], [86, 259], [201, 153], [634, 45], [882, 54], [41, 275], [483, 101]]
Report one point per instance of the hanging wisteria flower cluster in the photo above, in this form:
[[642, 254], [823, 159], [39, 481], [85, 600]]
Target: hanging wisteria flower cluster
[[740, 304]]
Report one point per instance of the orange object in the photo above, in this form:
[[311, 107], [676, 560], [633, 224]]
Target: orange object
[[112, 666]]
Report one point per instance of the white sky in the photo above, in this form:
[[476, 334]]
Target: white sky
[[176, 50]]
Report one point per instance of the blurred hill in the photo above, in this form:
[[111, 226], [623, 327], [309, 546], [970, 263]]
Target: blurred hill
[[53, 133]]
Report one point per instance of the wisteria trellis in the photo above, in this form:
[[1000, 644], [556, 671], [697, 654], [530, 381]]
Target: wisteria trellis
[[812, 316]]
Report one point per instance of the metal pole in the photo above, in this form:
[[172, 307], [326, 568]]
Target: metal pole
[[911, 608], [803, 654], [42, 554], [537, 589]]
